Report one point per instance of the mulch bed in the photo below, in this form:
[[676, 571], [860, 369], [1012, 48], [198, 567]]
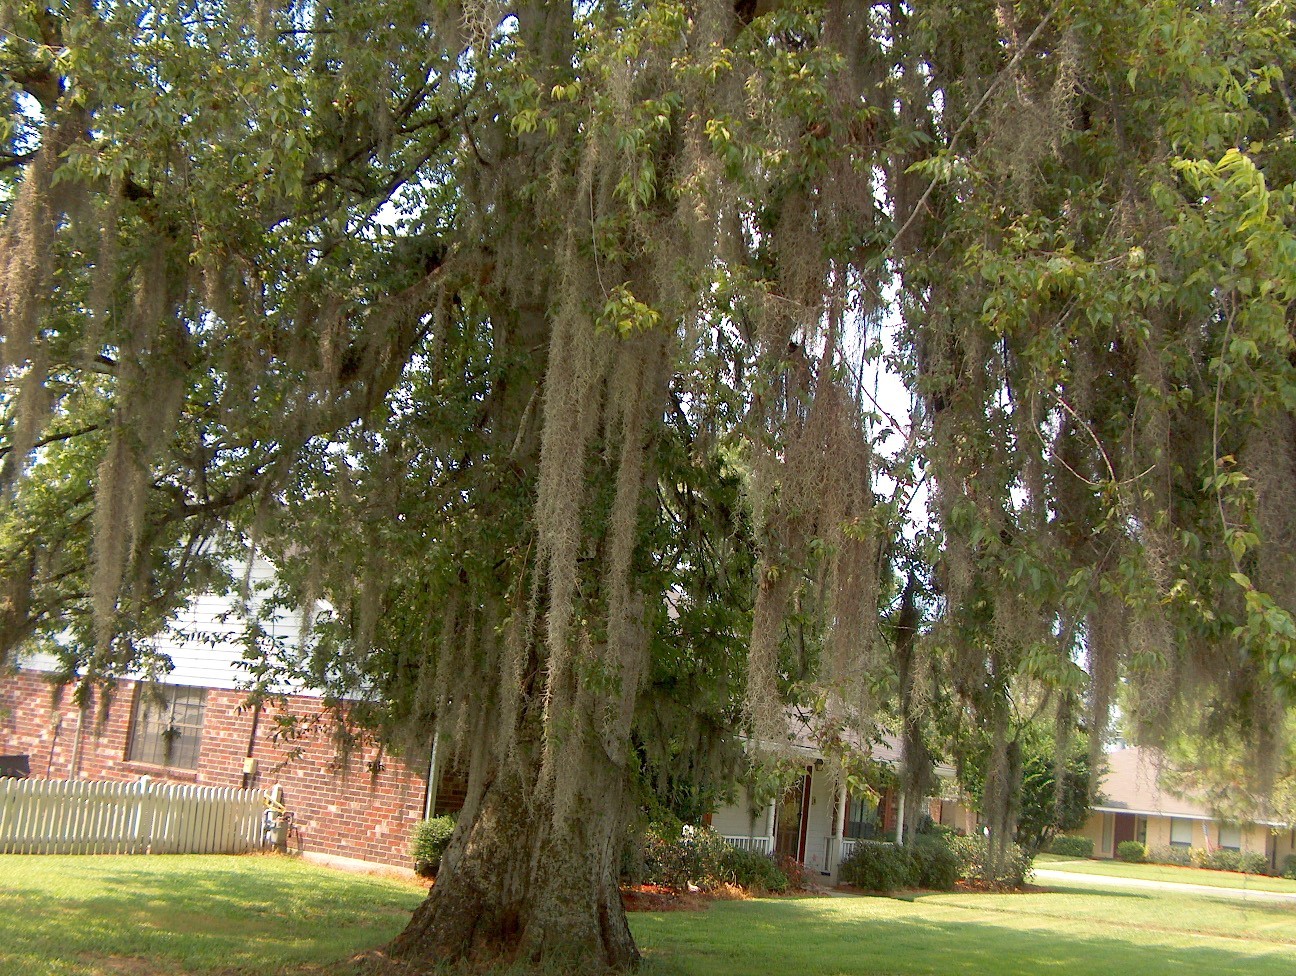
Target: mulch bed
[[654, 898]]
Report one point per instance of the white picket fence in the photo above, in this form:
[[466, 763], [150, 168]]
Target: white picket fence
[[41, 816]]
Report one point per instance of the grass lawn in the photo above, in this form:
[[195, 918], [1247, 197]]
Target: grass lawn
[[1077, 932], [239, 916], [1165, 872], [191, 914]]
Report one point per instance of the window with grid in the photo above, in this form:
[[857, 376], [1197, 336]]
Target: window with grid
[[167, 725]]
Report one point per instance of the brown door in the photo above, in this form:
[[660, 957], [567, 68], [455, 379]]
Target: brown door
[[787, 826], [1123, 829]]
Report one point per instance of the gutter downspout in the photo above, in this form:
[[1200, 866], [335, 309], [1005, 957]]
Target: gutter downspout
[[429, 799], [249, 765]]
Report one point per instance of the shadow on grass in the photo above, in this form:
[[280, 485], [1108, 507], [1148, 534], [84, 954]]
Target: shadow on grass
[[822, 937]]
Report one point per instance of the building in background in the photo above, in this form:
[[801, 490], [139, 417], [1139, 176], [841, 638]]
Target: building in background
[[817, 820], [1135, 807], [348, 797]]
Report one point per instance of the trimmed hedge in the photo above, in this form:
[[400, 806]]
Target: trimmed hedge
[[1131, 851], [428, 842], [1069, 846], [1289, 867]]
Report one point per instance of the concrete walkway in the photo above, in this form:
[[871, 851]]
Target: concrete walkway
[[1208, 891], [356, 866]]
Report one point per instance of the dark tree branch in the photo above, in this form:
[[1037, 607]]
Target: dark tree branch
[[53, 438]]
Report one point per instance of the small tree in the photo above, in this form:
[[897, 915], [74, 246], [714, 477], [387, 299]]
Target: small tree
[[1050, 807]]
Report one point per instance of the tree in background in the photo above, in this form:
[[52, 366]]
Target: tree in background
[[1050, 807], [533, 338]]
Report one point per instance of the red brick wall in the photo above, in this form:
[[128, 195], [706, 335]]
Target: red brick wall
[[452, 791], [362, 807]]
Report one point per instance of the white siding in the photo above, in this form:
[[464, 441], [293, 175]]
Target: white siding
[[206, 638], [735, 820]]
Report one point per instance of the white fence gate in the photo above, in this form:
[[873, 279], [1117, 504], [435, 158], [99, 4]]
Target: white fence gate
[[42, 816]]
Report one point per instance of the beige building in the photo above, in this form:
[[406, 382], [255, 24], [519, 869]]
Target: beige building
[[1134, 807]]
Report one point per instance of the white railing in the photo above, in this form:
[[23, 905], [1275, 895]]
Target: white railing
[[761, 845], [847, 848], [39, 816]]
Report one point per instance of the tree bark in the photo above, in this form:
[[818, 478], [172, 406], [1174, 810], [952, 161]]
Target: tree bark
[[525, 884]]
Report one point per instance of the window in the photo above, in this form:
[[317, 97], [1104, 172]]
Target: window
[[1230, 837], [862, 820], [1140, 830], [167, 725], [1181, 832]]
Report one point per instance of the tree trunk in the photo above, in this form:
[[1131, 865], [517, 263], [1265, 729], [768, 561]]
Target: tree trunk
[[520, 885]]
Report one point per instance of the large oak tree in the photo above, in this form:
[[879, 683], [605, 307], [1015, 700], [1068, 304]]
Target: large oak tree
[[537, 339]]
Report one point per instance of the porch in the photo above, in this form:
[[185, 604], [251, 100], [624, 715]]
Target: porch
[[819, 824]]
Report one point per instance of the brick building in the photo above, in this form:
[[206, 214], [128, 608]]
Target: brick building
[[357, 802]]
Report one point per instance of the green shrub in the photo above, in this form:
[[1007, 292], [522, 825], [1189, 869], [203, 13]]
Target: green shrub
[[1131, 851], [667, 860], [972, 853], [935, 864], [1070, 846], [1289, 867], [879, 866], [1253, 862], [428, 842], [677, 856], [1163, 854], [1216, 860], [1248, 862], [752, 871], [929, 862]]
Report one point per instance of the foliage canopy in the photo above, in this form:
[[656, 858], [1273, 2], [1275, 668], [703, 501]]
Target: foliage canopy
[[535, 340]]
